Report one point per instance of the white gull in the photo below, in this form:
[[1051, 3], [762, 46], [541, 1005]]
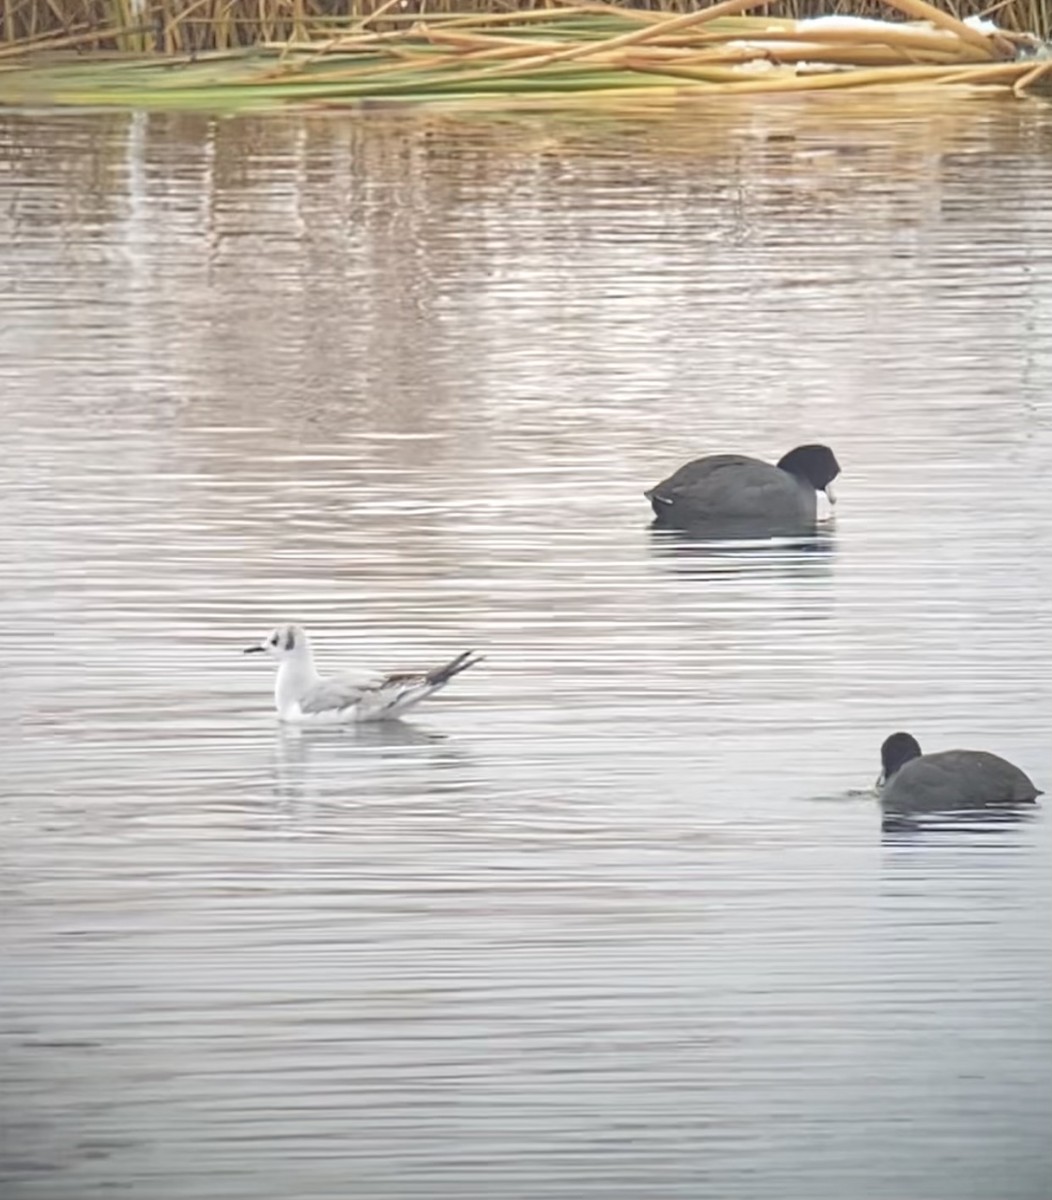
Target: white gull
[[302, 696]]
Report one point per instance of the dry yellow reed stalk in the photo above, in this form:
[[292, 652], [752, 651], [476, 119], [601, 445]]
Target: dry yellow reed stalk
[[871, 50], [1031, 77], [440, 35], [920, 9], [1002, 73], [861, 56], [909, 36], [638, 36], [50, 42], [713, 73], [344, 43], [523, 16], [377, 12], [880, 76], [789, 54], [181, 17]]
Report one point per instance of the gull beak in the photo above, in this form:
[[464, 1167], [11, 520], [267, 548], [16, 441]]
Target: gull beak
[[881, 780], [830, 493], [257, 649]]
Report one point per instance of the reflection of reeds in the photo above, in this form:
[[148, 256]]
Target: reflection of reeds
[[301, 56]]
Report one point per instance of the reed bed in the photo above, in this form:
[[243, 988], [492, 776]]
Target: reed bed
[[175, 26], [592, 51]]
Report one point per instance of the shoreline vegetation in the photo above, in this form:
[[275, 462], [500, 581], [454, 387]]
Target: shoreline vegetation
[[232, 54]]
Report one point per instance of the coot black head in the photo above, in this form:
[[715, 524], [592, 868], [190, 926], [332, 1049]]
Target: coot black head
[[898, 750], [817, 464]]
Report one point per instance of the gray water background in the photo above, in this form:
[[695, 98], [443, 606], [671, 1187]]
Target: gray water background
[[614, 916]]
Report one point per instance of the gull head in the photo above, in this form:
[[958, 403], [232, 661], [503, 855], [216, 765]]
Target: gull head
[[287, 641]]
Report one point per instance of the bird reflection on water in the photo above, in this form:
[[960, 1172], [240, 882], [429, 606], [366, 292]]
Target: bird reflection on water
[[360, 763], [692, 554], [991, 820]]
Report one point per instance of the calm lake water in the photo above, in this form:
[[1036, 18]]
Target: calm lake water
[[615, 916]]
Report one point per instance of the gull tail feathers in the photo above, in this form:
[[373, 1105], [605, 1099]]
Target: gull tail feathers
[[400, 692], [442, 675]]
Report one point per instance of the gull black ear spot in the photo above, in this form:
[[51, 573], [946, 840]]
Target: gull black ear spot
[[290, 639]]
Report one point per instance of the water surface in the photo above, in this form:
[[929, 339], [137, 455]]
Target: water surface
[[614, 916]]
